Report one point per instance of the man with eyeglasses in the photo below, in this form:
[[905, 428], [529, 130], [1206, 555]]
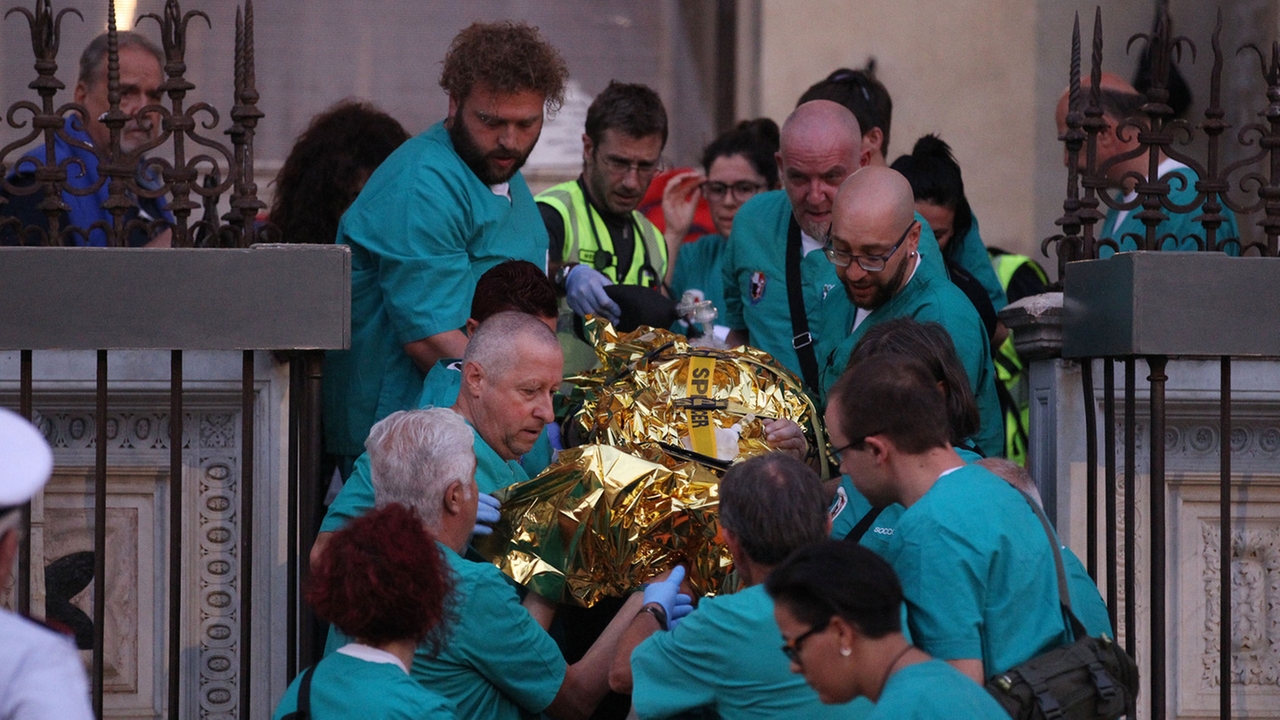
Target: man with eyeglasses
[[976, 566], [775, 278], [867, 98], [874, 244], [724, 655], [597, 236]]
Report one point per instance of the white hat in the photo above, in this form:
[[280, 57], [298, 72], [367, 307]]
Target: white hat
[[26, 462]]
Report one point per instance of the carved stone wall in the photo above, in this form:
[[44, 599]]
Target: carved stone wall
[[138, 573], [1191, 441]]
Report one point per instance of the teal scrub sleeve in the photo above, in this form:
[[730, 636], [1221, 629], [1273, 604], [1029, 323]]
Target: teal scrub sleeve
[[427, 239], [941, 581], [847, 508], [1086, 601], [732, 310], [504, 643], [669, 669], [355, 498]]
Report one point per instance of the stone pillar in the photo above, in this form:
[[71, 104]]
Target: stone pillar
[[1170, 305]]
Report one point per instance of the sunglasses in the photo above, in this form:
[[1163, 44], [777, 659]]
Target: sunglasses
[[792, 649]]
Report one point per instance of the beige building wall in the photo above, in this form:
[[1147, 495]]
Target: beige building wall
[[985, 75], [961, 84]]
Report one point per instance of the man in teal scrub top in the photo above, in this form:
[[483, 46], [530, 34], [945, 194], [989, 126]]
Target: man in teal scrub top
[[496, 660], [976, 565], [724, 655], [443, 208], [511, 368], [868, 99], [820, 146], [1178, 231], [875, 243]]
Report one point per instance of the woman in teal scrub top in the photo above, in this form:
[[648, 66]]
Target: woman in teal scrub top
[[738, 165], [838, 606]]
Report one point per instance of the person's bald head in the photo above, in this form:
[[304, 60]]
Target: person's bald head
[[821, 145], [819, 120], [878, 192], [873, 219], [1119, 100]]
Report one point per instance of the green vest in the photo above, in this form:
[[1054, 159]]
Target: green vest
[[1009, 367], [593, 245]]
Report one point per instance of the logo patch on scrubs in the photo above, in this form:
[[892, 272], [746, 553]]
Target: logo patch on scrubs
[[838, 505], [757, 286], [826, 289]]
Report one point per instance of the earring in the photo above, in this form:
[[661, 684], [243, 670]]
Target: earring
[[846, 652]]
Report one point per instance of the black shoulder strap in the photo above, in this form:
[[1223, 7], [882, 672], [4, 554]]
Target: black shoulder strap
[[303, 709], [864, 524], [802, 340], [1064, 598]]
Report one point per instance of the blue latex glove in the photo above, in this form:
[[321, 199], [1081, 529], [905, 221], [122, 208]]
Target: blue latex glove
[[584, 289], [487, 514], [667, 594]]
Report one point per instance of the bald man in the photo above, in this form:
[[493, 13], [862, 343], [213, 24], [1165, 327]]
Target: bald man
[[821, 145], [1179, 231], [875, 246]]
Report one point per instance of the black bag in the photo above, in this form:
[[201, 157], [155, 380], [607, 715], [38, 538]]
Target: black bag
[[1089, 679]]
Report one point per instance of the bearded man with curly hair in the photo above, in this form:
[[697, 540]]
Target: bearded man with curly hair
[[445, 207]]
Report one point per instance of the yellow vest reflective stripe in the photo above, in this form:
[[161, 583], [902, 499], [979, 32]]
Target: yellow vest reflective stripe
[[580, 240], [1007, 264], [1009, 366]]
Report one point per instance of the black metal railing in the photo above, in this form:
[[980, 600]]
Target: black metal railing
[[212, 171], [1248, 186], [196, 172]]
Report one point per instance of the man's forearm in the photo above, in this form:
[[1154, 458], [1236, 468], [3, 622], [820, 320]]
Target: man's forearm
[[640, 627], [586, 682], [426, 352]]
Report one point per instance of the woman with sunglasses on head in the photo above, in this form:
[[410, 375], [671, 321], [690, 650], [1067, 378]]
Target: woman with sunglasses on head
[[839, 607], [739, 165]]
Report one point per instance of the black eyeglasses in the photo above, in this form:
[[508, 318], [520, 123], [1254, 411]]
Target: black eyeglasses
[[742, 191], [870, 263], [854, 444], [792, 649]]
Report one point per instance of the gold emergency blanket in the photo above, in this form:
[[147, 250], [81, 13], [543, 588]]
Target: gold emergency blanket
[[656, 424], [599, 522], [655, 388]]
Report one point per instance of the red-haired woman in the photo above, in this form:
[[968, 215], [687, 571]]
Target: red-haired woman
[[382, 581]]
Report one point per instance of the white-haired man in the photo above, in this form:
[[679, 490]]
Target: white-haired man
[[498, 662]]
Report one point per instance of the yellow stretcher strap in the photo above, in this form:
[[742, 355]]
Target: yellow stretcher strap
[[702, 433]]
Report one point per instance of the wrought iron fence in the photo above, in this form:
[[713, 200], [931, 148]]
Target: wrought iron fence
[[196, 172], [130, 174], [1250, 185]]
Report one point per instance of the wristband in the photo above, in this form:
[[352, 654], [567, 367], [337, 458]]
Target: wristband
[[562, 276], [657, 612]]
